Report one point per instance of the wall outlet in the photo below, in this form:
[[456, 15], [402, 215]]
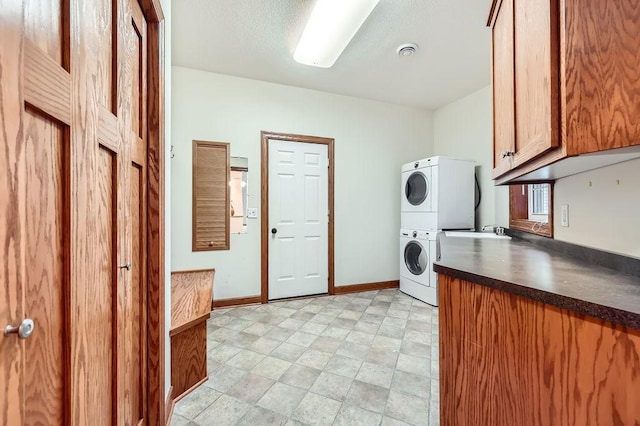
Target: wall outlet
[[564, 215], [252, 212]]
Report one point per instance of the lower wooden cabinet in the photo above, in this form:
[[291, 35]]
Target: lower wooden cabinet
[[191, 293], [507, 360], [189, 359]]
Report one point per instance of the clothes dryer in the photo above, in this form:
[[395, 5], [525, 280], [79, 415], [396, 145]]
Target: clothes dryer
[[438, 193], [417, 253]]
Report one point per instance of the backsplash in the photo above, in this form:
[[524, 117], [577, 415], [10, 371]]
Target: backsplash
[[604, 208]]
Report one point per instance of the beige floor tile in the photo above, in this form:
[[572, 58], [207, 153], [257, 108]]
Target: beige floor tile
[[195, 402], [271, 367], [411, 384], [250, 388], [341, 359], [414, 365], [314, 359], [343, 366], [332, 385], [367, 396], [375, 374], [282, 399], [258, 416], [408, 408], [300, 376], [316, 410], [225, 411], [245, 360], [350, 415]]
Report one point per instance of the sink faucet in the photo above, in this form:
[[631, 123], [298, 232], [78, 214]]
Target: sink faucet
[[499, 230]]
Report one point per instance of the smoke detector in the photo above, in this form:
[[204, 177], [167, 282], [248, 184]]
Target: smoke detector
[[407, 49]]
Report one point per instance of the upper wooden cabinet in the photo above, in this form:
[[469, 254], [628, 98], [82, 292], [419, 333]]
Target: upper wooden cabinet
[[566, 82]]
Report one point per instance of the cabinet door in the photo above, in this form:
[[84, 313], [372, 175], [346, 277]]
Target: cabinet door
[[536, 55], [503, 89]]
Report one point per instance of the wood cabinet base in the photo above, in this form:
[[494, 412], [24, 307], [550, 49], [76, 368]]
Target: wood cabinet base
[[190, 309], [188, 359], [507, 360]]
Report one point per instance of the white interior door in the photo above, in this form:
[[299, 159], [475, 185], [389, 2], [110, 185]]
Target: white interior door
[[298, 219]]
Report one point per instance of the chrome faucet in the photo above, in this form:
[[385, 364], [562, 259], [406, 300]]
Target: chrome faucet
[[499, 230]]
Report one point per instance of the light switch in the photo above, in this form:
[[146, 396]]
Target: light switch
[[564, 215], [252, 213]]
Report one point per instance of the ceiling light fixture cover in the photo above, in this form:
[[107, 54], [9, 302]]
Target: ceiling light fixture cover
[[332, 25]]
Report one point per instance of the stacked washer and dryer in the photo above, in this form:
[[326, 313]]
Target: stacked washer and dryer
[[438, 193]]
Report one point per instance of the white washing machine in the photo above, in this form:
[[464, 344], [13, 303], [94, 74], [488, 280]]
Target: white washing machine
[[438, 193], [417, 253]]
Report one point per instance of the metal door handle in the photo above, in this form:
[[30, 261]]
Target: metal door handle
[[23, 330], [126, 266], [274, 231]]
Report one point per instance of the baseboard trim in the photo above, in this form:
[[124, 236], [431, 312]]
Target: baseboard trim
[[177, 398], [236, 301], [169, 404], [357, 288]]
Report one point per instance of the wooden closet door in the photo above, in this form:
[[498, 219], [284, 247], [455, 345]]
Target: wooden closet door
[[35, 125], [72, 224], [136, 233]]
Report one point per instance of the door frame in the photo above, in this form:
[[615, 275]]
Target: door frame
[[264, 200], [156, 409]]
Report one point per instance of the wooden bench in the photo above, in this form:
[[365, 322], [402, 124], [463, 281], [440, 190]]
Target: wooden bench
[[190, 309]]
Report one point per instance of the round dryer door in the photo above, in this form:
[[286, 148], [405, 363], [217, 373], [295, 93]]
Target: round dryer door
[[415, 257], [416, 189]]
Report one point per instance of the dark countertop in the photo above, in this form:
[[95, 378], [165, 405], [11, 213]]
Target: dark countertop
[[525, 269]]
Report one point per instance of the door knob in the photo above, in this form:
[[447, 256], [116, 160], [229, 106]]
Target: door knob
[[23, 330], [274, 231], [126, 266]]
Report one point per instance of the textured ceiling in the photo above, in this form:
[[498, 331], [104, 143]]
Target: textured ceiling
[[256, 39]]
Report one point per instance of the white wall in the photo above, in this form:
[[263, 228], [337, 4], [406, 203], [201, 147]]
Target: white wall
[[604, 208], [463, 129], [372, 141], [166, 9]]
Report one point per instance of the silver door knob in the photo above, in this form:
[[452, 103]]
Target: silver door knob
[[23, 330]]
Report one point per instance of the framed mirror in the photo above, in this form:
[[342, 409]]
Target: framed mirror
[[238, 183]]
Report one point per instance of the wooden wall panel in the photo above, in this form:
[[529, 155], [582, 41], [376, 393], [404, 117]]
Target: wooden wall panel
[[503, 87], [138, 79], [137, 384], [191, 293], [12, 170], [100, 325], [155, 216], [506, 360], [43, 26], [189, 358], [602, 63], [211, 191], [537, 79], [65, 226], [46, 280]]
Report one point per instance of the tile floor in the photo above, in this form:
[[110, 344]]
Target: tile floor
[[367, 358]]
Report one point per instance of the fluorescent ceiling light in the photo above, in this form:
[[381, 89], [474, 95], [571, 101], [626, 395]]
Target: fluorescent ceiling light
[[332, 25]]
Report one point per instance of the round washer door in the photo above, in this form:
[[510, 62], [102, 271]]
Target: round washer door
[[415, 257], [416, 189]]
